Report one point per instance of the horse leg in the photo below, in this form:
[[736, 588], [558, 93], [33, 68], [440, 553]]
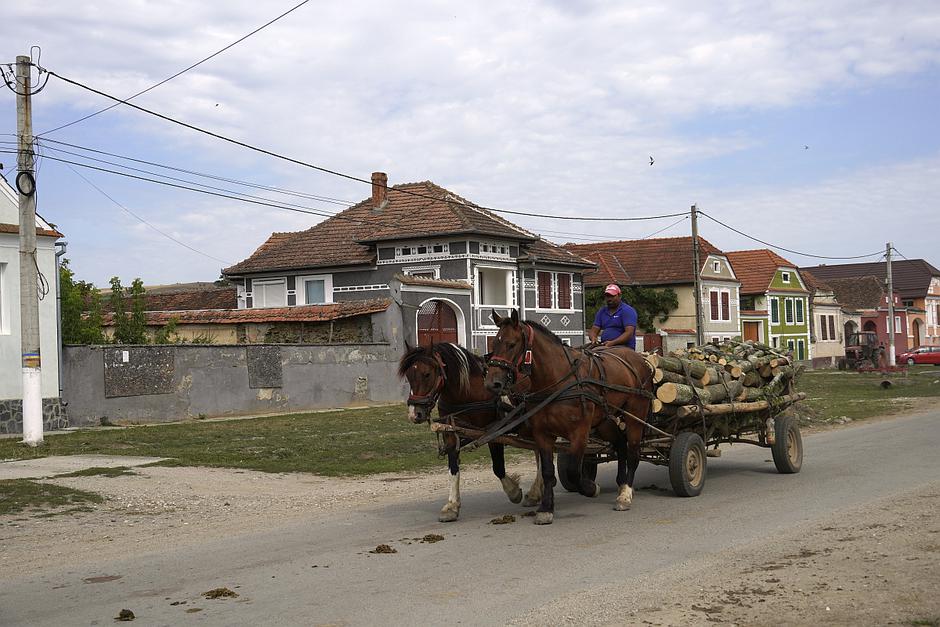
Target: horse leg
[[546, 511], [451, 509], [510, 482], [586, 486], [534, 496], [624, 477]]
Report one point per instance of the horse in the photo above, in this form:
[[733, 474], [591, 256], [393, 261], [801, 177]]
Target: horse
[[451, 377], [531, 364]]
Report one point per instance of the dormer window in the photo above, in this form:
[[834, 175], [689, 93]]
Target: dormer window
[[716, 267], [421, 250], [490, 248], [785, 277]]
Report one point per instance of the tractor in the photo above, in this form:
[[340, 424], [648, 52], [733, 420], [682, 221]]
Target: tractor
[[863, 352]]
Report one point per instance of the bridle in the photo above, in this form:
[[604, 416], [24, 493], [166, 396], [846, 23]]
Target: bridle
[[522, 364], [430, 399]]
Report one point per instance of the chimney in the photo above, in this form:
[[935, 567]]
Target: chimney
[[379, 190]]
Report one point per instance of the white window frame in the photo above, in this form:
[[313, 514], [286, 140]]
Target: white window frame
[[4, 301], [791, 345], [555, 291], [716, 267], [491, 248], [801, 310], [897, 325], [801, 348], [788, 319], [301, 293], [774, 309], [478, 294], [785, 277], [263, 282], [416, 270], [429, 251]]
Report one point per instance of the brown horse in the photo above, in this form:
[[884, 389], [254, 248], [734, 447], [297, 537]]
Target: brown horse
[[451, 377], [530, 363]]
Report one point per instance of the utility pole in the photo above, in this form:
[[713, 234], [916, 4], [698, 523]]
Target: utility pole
[[891, 329], [696, 277], [29, 289]]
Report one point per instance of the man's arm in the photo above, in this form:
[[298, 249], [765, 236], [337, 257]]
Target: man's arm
[[623, 338], [593, 332]]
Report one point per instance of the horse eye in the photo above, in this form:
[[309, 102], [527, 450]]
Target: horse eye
[[426, 375]]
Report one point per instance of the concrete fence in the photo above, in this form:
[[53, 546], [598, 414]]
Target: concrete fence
[[174, 382]]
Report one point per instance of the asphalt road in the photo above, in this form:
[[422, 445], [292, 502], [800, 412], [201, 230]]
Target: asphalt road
[[319, 571]]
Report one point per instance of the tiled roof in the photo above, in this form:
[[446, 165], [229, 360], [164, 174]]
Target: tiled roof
[[867, 292], [680, 331], [755, 269], [813, 283], [304, 313], [414, 280], [182, 298], [413, 210], [546, 252], [41, 232], [910, 278], [662, 261]]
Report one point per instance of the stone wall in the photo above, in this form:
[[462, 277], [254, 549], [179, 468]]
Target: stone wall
[[11, 415]]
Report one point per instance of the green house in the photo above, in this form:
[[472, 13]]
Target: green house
[[774, 301]]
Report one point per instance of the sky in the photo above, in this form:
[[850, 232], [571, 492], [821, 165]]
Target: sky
[[811, 126]]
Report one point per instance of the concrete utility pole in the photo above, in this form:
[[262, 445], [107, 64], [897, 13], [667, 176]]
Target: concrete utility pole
[[696, 277], [29, 289], [891, 329]]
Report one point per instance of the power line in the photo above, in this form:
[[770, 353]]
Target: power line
[[682, 219], [128, 211], [789, 250], [183, 71], [350, 177]]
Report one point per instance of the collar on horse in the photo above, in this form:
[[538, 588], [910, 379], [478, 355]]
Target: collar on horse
[[431, 397], [522, 365]]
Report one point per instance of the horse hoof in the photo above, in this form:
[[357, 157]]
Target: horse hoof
[[530, 502], [515, 497], [448, 515], [544, 518], [597, 491], [621, 507]]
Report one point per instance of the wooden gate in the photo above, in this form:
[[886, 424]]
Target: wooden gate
[[437, 322], [652, 342]]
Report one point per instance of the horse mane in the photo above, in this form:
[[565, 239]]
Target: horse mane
[[541, 328], [459, 363]]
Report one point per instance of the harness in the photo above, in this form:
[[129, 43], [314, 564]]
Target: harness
[[431, 397]]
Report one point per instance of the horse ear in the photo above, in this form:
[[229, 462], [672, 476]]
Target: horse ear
[[495, 316], [514, 316]]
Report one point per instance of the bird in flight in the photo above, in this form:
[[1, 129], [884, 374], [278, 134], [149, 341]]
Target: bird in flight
[[651, 160], [805, 147]]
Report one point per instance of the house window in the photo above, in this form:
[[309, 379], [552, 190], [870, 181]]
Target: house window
[[269, 292], [566, 341], [564, 290], [713, 303], [897, 324], [791, 346], [553, 290], [832, 327], [426, 272], [774, 311], [421, 250], [785, 277], [823, 328], [317, 290], [544, 290], [775, 342], [788, 310], [799, 310], [801, 350], [716, 267], [725, 306], [491, 248], [493, 286]]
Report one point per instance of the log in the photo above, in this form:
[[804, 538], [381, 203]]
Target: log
[[728, 408], [711, 376], [664, 376], [681, 394], [656, 406], [674, 364], [751, 380], [734, 371]]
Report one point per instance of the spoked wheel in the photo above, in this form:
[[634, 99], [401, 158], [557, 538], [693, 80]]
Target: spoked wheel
[[687, 464], [565, 460], [787, 449]]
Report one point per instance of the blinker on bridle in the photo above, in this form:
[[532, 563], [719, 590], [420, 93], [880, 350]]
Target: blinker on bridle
[[522, 365]]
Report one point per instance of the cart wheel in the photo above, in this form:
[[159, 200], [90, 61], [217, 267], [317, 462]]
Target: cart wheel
[[588, 470], [787, 449], [687, 464]]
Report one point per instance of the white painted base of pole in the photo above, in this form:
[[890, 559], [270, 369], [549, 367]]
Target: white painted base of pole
[[892, 357], [32, 406]]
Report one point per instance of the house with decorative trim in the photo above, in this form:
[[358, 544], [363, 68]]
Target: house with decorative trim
[[774, 301], [916, 281], [445, 261], [868, 296], [11, 363], [667, 262], [826, 323]]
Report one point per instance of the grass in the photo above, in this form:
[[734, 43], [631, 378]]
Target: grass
[[351, 442], [380, 439], [833, 394], [99, 471], [17, 495]]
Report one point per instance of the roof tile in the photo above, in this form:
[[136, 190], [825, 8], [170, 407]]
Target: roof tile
[[661, 261]]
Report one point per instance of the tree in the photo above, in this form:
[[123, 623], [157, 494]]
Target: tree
[[129, 326], [80, 307], [650, 304]]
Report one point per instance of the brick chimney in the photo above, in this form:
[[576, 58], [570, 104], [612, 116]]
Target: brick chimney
[[379, 190]]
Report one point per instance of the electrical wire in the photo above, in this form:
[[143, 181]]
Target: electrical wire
[[350, 177], [789, 250], [183, 71], [131, 213]]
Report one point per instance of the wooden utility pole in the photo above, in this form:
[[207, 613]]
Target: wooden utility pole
[[29, 289], [891, 329], [696, 277]]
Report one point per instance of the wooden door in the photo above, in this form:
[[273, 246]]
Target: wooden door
[[752, 331], [653, 342], [437, 322]]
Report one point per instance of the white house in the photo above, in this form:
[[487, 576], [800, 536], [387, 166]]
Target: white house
[[11, 369]]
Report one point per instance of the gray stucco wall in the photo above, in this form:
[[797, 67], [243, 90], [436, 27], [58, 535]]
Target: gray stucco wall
[[185, 381]]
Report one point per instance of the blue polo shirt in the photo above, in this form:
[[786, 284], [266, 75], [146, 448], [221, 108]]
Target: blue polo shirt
[[613, 325]]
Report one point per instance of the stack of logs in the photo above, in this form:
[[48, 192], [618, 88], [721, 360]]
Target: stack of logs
[[721, 379]]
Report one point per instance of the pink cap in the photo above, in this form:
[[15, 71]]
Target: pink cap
[[612, 289]]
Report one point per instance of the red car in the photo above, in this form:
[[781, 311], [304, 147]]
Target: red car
[[922, 355]]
